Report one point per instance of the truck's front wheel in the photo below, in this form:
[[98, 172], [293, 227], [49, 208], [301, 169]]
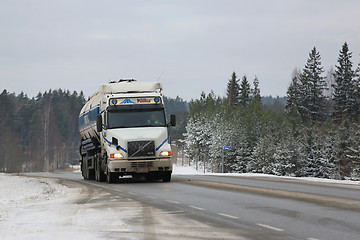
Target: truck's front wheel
[[166, 177], [111, 177]]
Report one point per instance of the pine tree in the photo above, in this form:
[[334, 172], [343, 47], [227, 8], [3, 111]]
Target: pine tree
[[330, 82], [244, 96], [356, 84], [256, 96], [293, 96], [233, 90], [312, 88], [345, 99], [355, 154], [7, 112], [262, 156], [342, 151]]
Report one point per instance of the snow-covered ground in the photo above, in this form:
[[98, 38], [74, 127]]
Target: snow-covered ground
[[30, 207], [43, 208], [190, 170]]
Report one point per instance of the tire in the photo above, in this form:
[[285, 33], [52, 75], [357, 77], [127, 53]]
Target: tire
[[152, 177], [111, 177], [99, 175], [91, 174], [82, 169], [88, 174], [166, 177]]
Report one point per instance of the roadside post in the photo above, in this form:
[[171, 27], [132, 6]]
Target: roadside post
[[204, 162], [225, 148]]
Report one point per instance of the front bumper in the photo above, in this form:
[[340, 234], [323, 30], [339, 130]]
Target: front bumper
[[139, 166]]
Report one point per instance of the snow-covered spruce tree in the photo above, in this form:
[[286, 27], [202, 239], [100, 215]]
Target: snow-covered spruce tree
[[232, 91], [312, 99], [198, 136], [286, 150], [281, 147], [342, 150], [250, 124], [221, 132], [345, 99], [245, 91], [191, 138], [193, 132], [262, 157], [354, 153], [355, 149], [356, 84], [256, 96], [201, 126], [226, 133], [328, 138], [330, 82], [241, 152], [293, 96], [318, 149]]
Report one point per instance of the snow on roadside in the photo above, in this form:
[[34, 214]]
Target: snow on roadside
[[42, 209], [29, 207], [190, 170]]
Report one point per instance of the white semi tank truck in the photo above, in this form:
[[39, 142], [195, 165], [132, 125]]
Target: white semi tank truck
[[124, 131]]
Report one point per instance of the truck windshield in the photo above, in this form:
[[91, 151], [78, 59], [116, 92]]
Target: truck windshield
[[136, 118]]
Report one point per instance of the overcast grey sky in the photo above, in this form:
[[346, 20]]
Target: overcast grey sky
[[189, 45]]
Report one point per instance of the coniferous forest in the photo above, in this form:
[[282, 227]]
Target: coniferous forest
[[314, 131], [41, 133]]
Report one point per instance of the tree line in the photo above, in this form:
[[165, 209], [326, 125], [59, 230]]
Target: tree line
[[314, 99], [40, 133], [317, 133]]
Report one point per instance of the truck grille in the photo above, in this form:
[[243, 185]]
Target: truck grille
[[141, 164], [141, 149]]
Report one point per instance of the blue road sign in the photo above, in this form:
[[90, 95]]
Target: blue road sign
[[226, 148]]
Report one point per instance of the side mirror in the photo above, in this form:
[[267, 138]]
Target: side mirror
[[99, 123], [172, 120]]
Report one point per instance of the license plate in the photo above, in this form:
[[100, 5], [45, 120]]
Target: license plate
[[142, 170]]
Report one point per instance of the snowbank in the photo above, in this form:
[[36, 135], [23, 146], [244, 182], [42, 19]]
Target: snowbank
[[190, 170], [29, 207]]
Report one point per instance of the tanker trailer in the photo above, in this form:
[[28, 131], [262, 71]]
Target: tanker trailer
[[124, 131]]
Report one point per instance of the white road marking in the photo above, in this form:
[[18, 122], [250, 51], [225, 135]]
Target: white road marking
[[226, 215], [198, 208], [152, 197], [170, 201], [312, 239], [270, 227]]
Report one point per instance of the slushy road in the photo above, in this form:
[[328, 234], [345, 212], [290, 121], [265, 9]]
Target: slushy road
[[223, 207]]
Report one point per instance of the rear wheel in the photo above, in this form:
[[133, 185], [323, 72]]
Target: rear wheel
[[91, 174], [99, 174], [88, 174]]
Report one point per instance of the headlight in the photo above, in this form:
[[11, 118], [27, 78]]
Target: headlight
[[166, 153], [116, 155]]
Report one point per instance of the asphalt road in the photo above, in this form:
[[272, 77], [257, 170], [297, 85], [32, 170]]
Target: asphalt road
[[213, 207]]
